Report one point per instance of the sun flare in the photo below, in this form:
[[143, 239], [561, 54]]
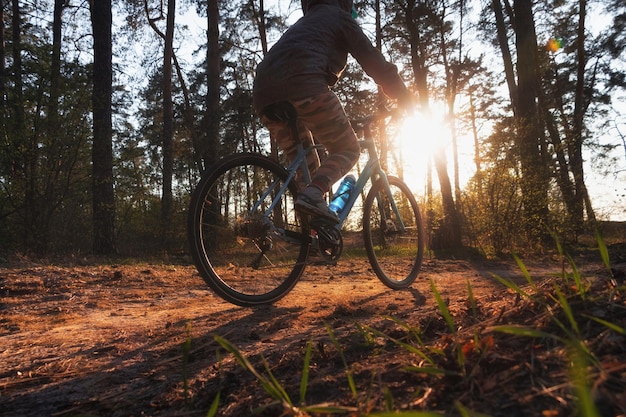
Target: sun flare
[[419, 136]]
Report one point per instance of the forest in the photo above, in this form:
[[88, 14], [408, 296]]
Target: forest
[[110, 112]]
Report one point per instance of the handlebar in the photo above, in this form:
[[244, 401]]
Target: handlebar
[[363, 124]]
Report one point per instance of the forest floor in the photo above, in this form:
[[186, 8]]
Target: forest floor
[[139, 339]]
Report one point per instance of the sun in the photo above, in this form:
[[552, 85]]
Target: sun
[[417, 138]]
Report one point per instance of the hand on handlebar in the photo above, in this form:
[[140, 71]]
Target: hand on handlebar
[[405, 106], [408, 103]]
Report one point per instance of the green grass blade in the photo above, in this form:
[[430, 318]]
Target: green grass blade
[[410, 329], [367, 336], [577, 277], [429, 370], [213, 409], [525, 272], [608, 324], [408, 347], [557, 241], [443, 308], [345, 363], [404, 414], [584, 395], [304, 381], [277, 385], [472, 300], [604, 252], [511, 285], [566, 309], [524, 331], [243, 361], [329, 409], [467, 413]]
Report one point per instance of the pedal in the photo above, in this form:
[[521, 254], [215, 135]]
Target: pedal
[[326, 230], [329, 240]]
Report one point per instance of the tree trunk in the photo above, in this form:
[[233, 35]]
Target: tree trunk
[[55, 66], [24, 162], [188, 115], [381, 98], [45, 162], [102, 152], [168, 128], [532, 160], [210, 147], [261, 26], [3, 61], [451, 87], [17, 67], [561, 146], [211, 121], [448, 235], [503, 42], [418, 62], [477, 158], [576, 157], [561, 168]]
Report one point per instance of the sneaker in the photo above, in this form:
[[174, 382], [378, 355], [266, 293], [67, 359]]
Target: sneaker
[[311, 202]]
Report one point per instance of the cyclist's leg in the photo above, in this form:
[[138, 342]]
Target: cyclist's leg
[[281, 133], [324, 116]]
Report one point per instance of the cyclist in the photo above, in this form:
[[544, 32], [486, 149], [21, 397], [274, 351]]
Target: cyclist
[[300, 69]]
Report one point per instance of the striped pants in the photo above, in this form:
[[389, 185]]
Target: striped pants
[[321, 119]]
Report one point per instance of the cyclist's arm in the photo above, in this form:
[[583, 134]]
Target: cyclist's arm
[[383, 72]]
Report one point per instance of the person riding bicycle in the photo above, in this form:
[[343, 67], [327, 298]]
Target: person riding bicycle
[[300, 69]]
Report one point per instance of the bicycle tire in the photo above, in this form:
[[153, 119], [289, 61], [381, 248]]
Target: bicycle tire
[[240, 255], [395, 256]]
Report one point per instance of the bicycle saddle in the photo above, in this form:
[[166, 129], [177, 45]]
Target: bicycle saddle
[[282, 111]]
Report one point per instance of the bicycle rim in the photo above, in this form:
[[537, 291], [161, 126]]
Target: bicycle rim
[[247, 256], [395, 255]]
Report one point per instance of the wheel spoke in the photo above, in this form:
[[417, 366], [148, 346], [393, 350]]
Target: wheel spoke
[[392, 229], [233, 246]]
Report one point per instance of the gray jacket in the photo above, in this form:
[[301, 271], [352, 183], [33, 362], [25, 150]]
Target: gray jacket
[[312, 54]]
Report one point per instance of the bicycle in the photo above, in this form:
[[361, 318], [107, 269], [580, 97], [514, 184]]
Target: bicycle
[[242, 224]]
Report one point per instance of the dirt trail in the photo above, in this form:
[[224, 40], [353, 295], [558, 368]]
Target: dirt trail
[[109, 340]]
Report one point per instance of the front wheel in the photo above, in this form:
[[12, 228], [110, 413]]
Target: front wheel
[[393, 234], [248, 251]]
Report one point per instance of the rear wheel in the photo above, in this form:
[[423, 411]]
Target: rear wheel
[[394, 241], [246, 255]]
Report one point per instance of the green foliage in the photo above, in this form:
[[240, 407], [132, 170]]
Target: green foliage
[[492, 204], [44, 154], [345, 363], [214, 406], [186, 351], [571, 337], [269, 384], [273, 387]]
